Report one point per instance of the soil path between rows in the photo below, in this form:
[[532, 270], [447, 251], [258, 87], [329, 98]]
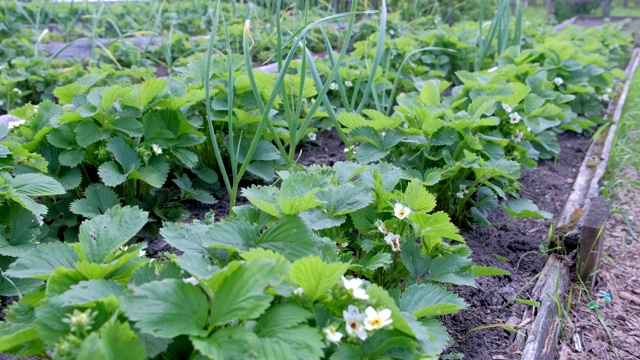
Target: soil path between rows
[[519, 242], [616, 335]]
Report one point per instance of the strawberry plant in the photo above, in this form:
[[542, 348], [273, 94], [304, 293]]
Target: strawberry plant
[[101, 297]]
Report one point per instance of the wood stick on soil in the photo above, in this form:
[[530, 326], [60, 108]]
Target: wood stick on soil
[[627, 296], [550, 288], [590, 248]]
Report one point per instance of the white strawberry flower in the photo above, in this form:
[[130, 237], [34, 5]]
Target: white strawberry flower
[[463, 189], [493, 69], [354, 325], [401, 211], [506, 107], [332, 334], [312, 136], [299, 291], [558, 81], [156, 149], [393, 240], [354, 286], [313, 101], [381, 227], [333, 86], [191, 280], [514, 118], [142, 253], [460, 194], [17, 91], [12, 124], [377, 320], [348, 83], [608, 90], [605, 98], [517, 137]]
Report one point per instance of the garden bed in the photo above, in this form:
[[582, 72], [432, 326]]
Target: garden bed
[[324, 246]]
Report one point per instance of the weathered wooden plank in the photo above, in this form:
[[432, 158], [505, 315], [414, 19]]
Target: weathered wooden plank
[[551, 287], [590, 248]]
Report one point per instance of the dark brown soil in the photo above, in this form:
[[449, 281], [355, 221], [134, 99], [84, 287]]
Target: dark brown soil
[[519, 242], [327, 150]]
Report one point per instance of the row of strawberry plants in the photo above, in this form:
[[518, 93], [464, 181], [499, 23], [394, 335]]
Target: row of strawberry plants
[[239, 279]]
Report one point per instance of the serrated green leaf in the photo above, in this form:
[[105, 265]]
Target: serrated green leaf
[[379, 260], [167, 309], [352, 121], [422, 300], [155, 173], [87, 292], [71, 158], [430, 93], [88, 133], [279, 317], [101, 236], [315, 277], [418, 198], [241, 295], [111, 175], [112, 94], [520, 91], [195, 264], [145, 93], [434, 227], [264, 198], [62, 138], [124, 154], [112, 342], [14, 335], [432, 336], [97, 200], [36, 185], [43, 260], [66, 93], [480, 105], [291, 238], [240, 343], [523, 208], [187, 157]]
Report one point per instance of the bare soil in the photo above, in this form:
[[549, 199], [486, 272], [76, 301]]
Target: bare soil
[[491, 303], [612, 331]]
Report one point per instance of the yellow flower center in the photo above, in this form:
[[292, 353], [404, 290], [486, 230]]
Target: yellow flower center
[[376, 321]]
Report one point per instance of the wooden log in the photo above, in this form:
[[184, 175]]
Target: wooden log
[[590, 248], [552, 284], [549, 11], [606, 8]]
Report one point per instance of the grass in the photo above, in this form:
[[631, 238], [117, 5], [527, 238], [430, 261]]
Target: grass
[[538, 14], [625, 152]]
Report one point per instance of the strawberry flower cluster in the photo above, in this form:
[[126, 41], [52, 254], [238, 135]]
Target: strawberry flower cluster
[[358, 324]]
